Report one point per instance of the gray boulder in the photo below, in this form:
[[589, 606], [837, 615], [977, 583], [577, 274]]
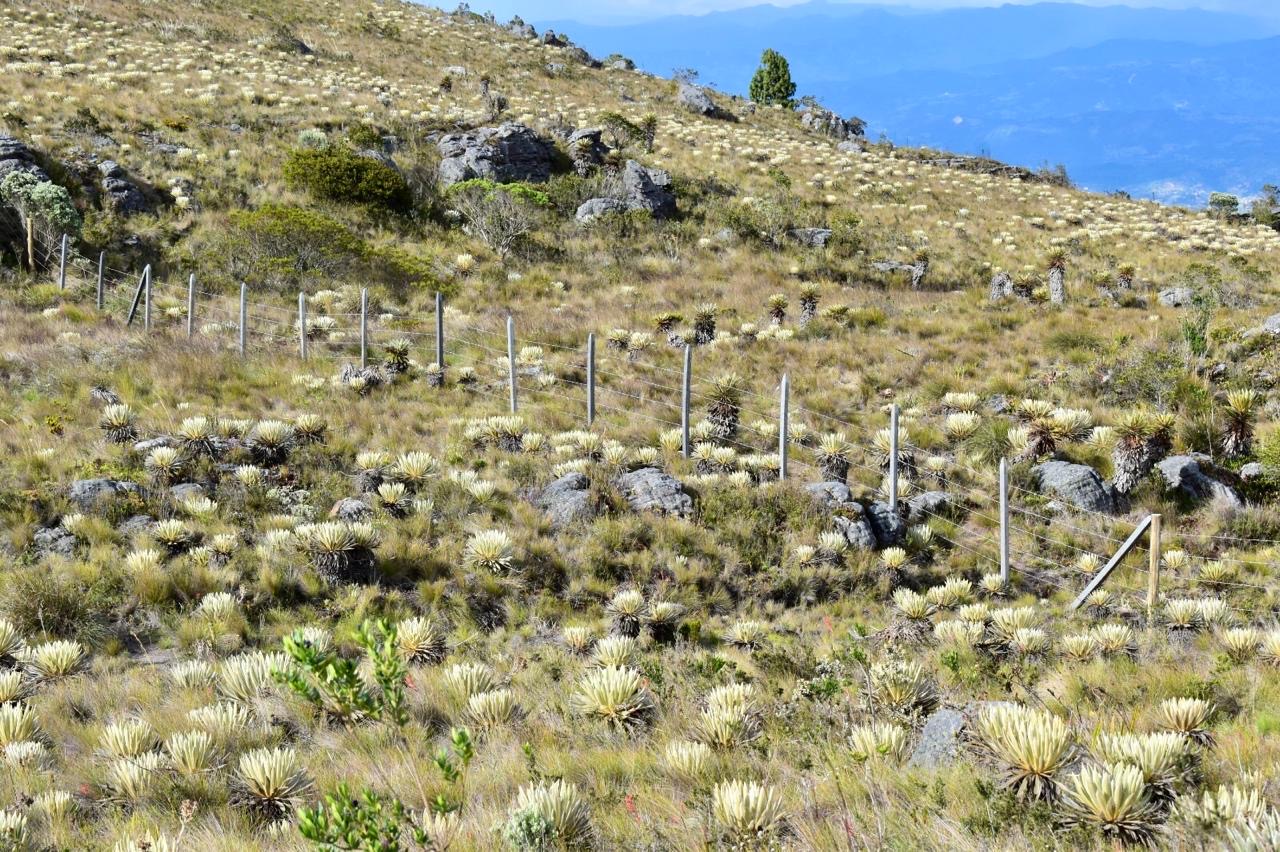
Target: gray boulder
[[1176, 297], [927, 504], [830, 494], [593, 208], [651, 489], [888, 526], [856, 529], [566, 500], [15, 156], [89, 493], [1080, 486], [696, 100], [519, 28], [506, 153], [939, 743], [849, 147], [1185, 474], [810, 237], [1271, 325], [351, 509]]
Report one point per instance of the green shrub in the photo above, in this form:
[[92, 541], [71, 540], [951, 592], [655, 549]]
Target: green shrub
[[338, 174]]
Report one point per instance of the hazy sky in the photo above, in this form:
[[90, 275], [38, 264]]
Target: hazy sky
[[608, 10]]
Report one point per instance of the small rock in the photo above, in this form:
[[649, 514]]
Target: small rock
[[826, 123], [651, 489]]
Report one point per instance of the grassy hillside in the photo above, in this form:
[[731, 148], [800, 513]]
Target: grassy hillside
[[586, 673]]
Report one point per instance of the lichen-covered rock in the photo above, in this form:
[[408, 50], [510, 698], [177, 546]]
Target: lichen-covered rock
[[650, 489], [1187, 475], [566, 500], [86, 494], [507, 153], [1080, 486], [927, 504], [586, 149], [53, 541]]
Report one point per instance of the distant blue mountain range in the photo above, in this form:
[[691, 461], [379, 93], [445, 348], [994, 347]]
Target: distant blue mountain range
[[1159, 103]]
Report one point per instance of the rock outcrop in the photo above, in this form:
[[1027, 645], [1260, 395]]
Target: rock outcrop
[[824, 122], [15, 156], [507, 153]]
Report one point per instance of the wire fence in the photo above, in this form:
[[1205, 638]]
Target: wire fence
[[639, 394]]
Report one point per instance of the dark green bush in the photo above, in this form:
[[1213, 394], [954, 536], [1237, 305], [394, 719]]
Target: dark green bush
[[338, 174]]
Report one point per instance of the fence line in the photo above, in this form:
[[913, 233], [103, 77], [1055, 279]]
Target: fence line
[[259, 321]]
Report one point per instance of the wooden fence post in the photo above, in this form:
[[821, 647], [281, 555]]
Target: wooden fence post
[[137, 294], [31, 244], [1106, 570]]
